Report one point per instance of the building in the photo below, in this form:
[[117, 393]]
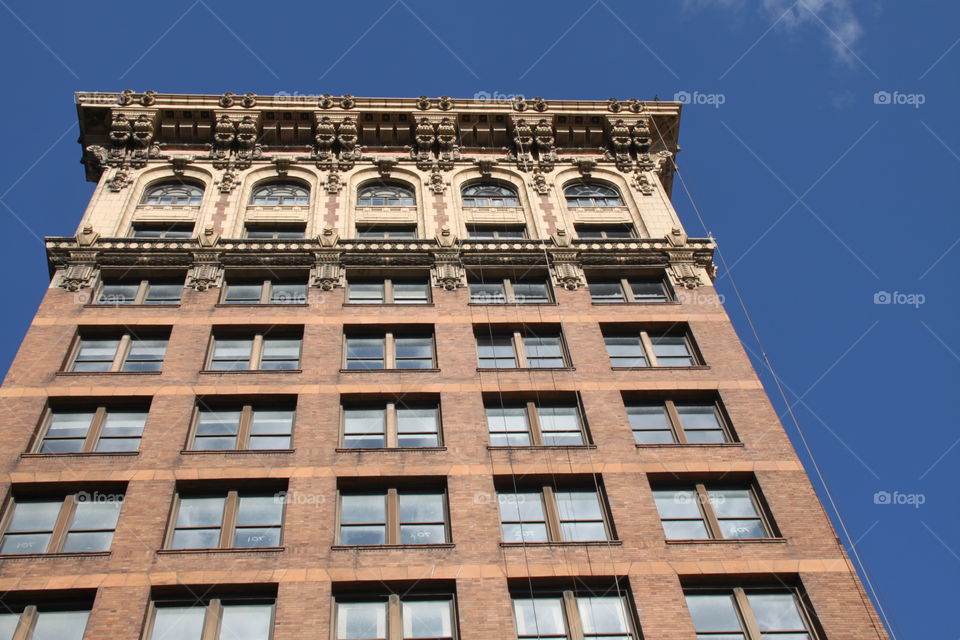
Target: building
[[397, 368]]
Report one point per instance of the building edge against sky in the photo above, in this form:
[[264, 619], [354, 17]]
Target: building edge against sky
[[397, 368]]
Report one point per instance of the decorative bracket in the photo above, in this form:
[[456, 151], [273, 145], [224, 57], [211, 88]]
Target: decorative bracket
[[566, 269], [448, 271], [80, 271], [206, 272], [327, 272]]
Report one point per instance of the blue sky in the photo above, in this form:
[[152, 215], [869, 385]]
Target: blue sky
[[820, 147]]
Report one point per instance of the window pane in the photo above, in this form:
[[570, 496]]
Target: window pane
[[364, 420], [677, 504], [362, 534], [525, 532], [269, 442], [487, 293], [67, 431], [417, 427], [34, 516], [414, 348], [259, 510], [15, 543], [503, 419], [361, 620], [526, 506], [578, 505], [363, 509], [246, 622], [124, 423], [365, 353], [732, 503], [8, 625], [101, 514], [672, 351], [80, 542], [145, 355], [231, 354], [539, 617], [602, 615], [279, 353], [95, 355], [369, 292], [713, 612], [182, 623], [271, 421], [196, 539], [606, 292], [625, 351], [244, 293], [289, 293], [163, 293], [200, 512], [427, 619], [410, 293], [530, 292], [648, 291], [776, 612], [685, 530], [496, 351], [421, 507], [118, 293], [60, 625]]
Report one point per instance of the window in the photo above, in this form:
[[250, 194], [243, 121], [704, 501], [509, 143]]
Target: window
[[489, 195], [677, 422], [501, 232], [280, 194], [650, 349], [605, 231], [137, 291], [77, 523], [243, 427], [749, 614], [393, 516], [227, 520], [43, 620], [553, 514], [265, 292], [228, 618], [708, 512], [175, 193], [126, 352], [393, 424], [524, 348], [93, 430], [592, 194], [381, 231], [386, 195], [410, 616], [629, 290], [278, 351], [390, 351], [388, 291], [275, 232], [573, 615], [552, 423], [162, 230], [509, 290]]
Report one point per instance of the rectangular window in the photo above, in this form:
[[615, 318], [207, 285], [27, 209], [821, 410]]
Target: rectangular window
[[277, 351], [53, 620], [162, 230], [650, 348], [573, 615], [413, 350], [536, 423], [265, 292], [243, 427], [628, 290], [509, 290], [228, 618], [531, 347], [227, 520], [388, 291], [608, 231], [393, 516], [500, 232], [152, 291], [119, 352], [677, 422], [749, 614], [276, 232], [387, 232], [553, 514], [391, 425], [93, 430], [708, 512], [83, 522], [410, 616]]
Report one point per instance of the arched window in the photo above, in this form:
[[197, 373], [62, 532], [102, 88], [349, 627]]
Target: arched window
[[173, 193], [489, 195], [385, 195], [591, 194], [274, 194]]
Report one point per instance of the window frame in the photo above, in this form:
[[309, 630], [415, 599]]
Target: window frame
[[507, 283], [394, 610], [748, 622], [121, 356], [626, 289], [267, 286], [675, 421], [164, 184], [101, 413], [255, 356], [213, 613], [520, 357], [604, 229], [534, 428], [646, 337], [551, 511], [708, 515], [387, 229], [288, 184], [62, 525], [388, 290], [571, 611], [389, 339], [408, 189], [390, 424], [597, 186], [30, 615], [508, 191], [228, 517], [142, 296], [392, 535], [244, 425], [275, 230], [163, 228], [496, 230]]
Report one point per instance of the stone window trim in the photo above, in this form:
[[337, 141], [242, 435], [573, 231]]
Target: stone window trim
[[247, 409], [392, 490], [124, 354], [710, 516], [739, 598]]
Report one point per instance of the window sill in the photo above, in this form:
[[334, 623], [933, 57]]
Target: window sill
[[573, 543], [541, 447], [259, 305], [180, 552], [207, 452], [636, 304], [731, 541], [388, 304], [82, 454], [388, 449], [131, 306], [108, 373], [696, 367], [71, 554], [388, 370], [391, 547], [688, 445], [483, 369], [248, 371], [513, 304]]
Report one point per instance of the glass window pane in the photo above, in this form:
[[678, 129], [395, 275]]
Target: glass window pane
[[278, 348], [98, 514], [487, 293], [732, 503], [578, 505], [503, 419], [414, 347], [364, 420], [410, 292], [559, 418], [648, 291], [200, 512], [218, 422], [289, 293], [247, 537], [733, 529], [370, 292], [776, 612], [606, 292], [713, 612], [60, 625], [69, 424], [269, 442], [117, 444], [362, 534], [271, 421], [530, 292], [525, 532], [16, 543], [182, 623], [88, 541], [361, 620], [427, 619], [163, 293], [246, 622], [118, 293], [421, 507], [698, 416], [602, 615], [685, 530], [677, 504], [361, 508], [539, 617], [34, 516], [422, 534], [259, 510], [196, 539], [244, 293], [124, 423], [583, 531], [8, 625]]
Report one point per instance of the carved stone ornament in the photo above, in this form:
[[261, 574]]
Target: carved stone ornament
[[448, 272], [540, 183], [228, 182], [385, 166], [327, 272], [585, 166], [206, 272], [249, 100], [179, 164], [686, 274], [446, 238], [614, 105], [227, 100], [329, 237], [567, 271], [334, 183], [87, 236], [539, 104], [80, 272], [120, 180], [445, 103], [642, 183], [437, 183], [485, 166], [423, 103], [347, 101], [209, 237], [325, 101]]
